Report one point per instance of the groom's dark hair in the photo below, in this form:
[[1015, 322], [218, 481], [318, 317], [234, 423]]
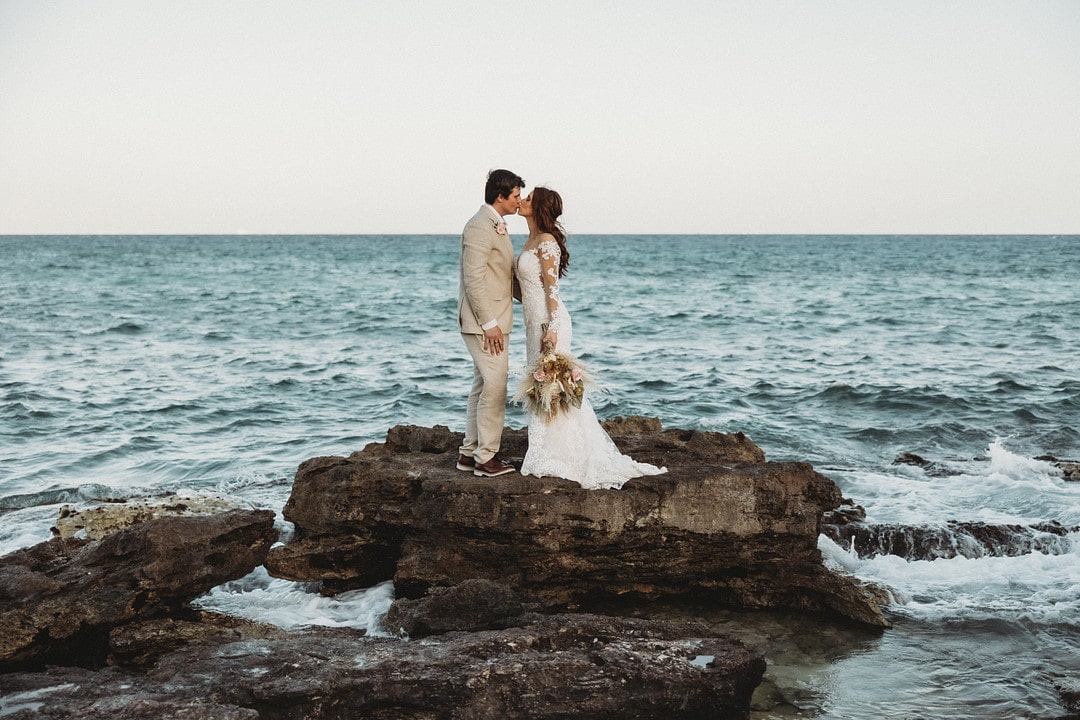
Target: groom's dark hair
[[501, 183]]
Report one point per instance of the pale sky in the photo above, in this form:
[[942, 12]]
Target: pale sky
[[740, 116]]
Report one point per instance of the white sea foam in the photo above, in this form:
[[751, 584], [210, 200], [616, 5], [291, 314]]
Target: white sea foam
[[26, 527], [1037, 588], [1005, 488], [29, 700], [1024, 470], [293, 605]]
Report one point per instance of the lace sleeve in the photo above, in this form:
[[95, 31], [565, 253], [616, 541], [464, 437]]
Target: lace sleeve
[[550, 258]]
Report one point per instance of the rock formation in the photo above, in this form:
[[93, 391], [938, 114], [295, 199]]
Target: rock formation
[[77, 604], [561, 666], [722, 526], [60, 599]]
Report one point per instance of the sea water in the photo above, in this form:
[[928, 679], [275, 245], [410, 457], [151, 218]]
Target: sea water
[[139, 365]]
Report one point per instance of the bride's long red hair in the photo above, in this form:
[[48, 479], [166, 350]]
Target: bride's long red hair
[[547, 207]]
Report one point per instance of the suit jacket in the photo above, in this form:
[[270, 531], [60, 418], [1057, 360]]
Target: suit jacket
[[487, 270]]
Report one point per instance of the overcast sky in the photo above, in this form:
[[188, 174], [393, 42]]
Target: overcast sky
[[755, 116]]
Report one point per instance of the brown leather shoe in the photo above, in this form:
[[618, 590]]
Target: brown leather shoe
[[492, 468], [465, 462]]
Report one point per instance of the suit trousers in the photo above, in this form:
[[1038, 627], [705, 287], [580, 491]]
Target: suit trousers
[[486, 411]]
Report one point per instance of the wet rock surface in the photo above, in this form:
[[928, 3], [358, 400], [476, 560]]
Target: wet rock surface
[[722, 524]]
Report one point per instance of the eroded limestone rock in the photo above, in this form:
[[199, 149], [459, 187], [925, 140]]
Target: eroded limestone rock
[[101, 519]]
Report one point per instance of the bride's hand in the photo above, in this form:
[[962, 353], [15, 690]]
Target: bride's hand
[[549, 341]]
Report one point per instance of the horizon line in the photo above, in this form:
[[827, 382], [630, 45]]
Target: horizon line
[[579, 234]]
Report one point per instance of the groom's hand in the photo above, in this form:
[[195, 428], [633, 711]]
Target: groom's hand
[[494, 341]]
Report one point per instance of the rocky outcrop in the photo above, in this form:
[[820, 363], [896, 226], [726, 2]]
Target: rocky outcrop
[[952, 539], [1070, 469], [61, 599], [562, 666], [121, 602], [723, 526]]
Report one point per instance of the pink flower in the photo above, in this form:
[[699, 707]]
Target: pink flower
[[539, 376], [575, 374]]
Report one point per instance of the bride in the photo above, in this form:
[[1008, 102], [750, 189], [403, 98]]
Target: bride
[[571, 444]]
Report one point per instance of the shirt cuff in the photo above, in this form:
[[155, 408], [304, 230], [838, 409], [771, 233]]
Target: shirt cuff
[[489, 325]]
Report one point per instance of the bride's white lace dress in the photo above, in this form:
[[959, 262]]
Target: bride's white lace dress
[[572, 444]]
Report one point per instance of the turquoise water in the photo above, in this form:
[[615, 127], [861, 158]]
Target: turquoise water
[[136, 365]]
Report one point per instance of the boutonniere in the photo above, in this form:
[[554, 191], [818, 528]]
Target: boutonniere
[[500, 226]]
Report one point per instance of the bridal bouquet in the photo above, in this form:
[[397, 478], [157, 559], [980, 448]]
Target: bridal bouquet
[[553, 384]]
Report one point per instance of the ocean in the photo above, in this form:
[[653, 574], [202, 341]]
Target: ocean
[[135, 365]]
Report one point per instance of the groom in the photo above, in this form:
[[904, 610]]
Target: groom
[[485, 318]]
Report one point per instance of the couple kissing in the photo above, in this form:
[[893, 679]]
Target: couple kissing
[[566, 439]]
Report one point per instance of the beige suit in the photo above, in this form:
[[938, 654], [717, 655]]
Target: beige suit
[[485, 294]]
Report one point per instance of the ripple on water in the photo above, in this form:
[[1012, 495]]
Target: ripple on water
[[839, 350]]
